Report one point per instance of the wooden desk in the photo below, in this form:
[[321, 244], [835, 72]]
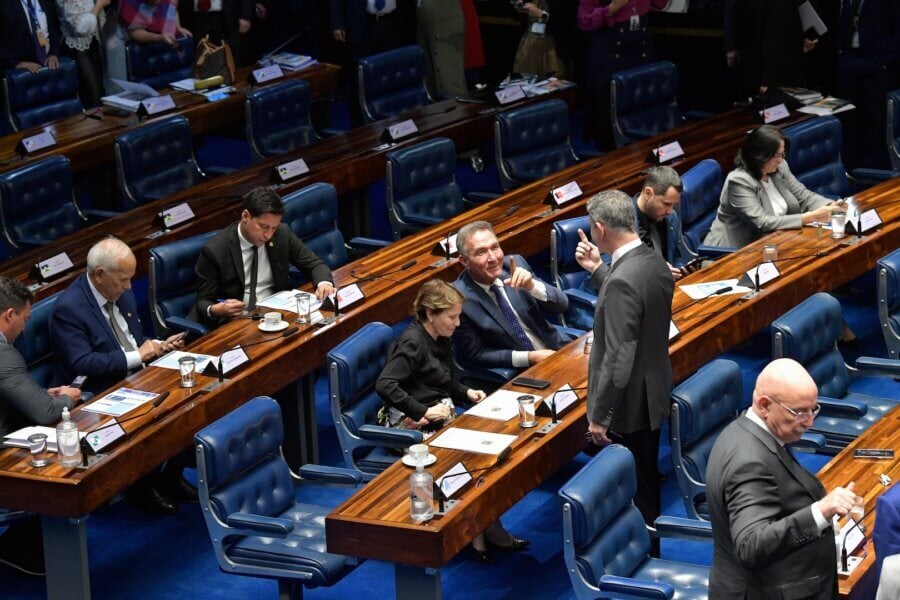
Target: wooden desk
[[88, 142]]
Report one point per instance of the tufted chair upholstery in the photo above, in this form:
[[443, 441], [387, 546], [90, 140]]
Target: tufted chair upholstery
[[173, 284], [34, 343], [532, 142], [699, 202], [392, 83], [421, 188], [605, 540], [808, 333], [249, 502], [353, 367], [155, 161], [893, 128], [37, 203], [277, 118], [568, 275], [815, 156], [36, 98], [158, 65], [642, 102], [888, 272]]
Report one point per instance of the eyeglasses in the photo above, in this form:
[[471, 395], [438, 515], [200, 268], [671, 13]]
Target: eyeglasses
[[780, 155], [798, 415]]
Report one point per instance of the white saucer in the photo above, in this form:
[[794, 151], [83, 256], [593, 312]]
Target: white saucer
[[281, 326], [408, 460]]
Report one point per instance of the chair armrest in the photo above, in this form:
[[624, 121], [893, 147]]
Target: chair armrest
[[636, 588], [871, 365], [330, 132], [31, 242], [714, 252], [585, 153], [810, 442], [257, 524], [389, 436], [216, 170], [365, 244], [424, 220], [193, 328], [681, 528], [580, 298], [696, 115], [853, 409], [481, 197], [572, 332], [323, 474], [863, 175], [95, 213], [638, 133]]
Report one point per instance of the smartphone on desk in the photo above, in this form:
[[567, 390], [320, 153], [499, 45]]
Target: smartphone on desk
[[537, 384]]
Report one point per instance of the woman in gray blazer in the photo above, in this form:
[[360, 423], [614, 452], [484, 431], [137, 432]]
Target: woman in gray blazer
[[761, 194]]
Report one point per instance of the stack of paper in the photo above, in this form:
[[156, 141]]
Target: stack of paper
[[502, 405], [293, 62], [130, 99], [19, 438], [827, 106], [470, 440], [802, 95]]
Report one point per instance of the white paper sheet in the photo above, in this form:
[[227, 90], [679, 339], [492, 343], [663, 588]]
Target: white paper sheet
[[469, 440], [499, 406], [698, 291], [119, 402]]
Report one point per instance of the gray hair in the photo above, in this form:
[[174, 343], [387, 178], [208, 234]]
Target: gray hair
[[467, 231], [107, 254], [614, 209], [13, 294], [660, 179]]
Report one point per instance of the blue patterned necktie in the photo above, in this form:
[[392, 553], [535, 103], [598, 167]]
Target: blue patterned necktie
[[510, 315], [39, 51]]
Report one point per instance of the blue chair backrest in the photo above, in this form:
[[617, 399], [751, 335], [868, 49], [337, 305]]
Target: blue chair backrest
[[533, 142], [888, 272], [156, 160], [565, 270], [815, 156], [392, 83], [808, 334], [893, 128], [609, 534], [360, 359], [34, 343], [643, 101], [173, 278], [37, 203], [311, 213], [156, 64], [278, 118], [699, 201], [36, 98]]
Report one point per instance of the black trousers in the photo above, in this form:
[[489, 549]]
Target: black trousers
[[644, 445], [90, 73]]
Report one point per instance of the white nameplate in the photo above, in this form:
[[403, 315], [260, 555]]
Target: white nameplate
[[267, 74], [510, 94], [98, 440], [767, 272], [564, 193], [673, 329], [453, 480], [668, 152], [36, 142], [292, 169], [402, 129], [177, 215], [775, 113], [348, 295], [449, 241], [563, 398], [869, 220], [231, 359], [54, 266], [157, 104]]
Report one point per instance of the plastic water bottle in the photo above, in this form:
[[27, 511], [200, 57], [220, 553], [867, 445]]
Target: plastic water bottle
[[67, 441], [421, 495]]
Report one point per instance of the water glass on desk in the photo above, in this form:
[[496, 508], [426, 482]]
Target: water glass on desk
[[187, 366], [838, 224], [303, 305], [37, 445], [527, 411], [770, 253]]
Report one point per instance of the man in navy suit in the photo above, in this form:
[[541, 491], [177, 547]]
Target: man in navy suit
[[501, 323], [30, 34]]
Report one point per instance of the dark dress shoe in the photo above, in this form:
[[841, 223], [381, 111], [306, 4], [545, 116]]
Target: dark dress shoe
[[516, 545], [151, 500], [482, 556], [182, 491]]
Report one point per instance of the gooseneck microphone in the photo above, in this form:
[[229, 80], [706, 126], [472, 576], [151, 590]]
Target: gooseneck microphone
[[375, 276], [856, 525], [440, 494]]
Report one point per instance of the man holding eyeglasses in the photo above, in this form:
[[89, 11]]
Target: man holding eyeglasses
[[771, 518]]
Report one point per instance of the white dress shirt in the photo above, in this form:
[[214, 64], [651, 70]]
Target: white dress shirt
[[539, 293], [133, 357], [265, 281]]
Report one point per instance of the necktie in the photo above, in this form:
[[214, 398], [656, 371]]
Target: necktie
[[203, 5], [39, 50], [254, 267], [121, 336], [510, 315]]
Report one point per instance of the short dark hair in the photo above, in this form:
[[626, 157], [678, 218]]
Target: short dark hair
[[759, 147], [262, 201], [660, 179], [13, 294]]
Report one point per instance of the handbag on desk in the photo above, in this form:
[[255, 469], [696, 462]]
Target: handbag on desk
[[214, 60]]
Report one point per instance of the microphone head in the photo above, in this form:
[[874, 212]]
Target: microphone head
[[160, 399], [502, 456]]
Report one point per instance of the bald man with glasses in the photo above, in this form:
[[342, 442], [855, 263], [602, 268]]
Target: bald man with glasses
[[771, 518]]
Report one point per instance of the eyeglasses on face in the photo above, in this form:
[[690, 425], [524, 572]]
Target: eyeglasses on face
[[780, 155], [798, 415]]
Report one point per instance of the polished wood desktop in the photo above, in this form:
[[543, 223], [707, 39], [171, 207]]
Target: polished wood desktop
[[88, 142]]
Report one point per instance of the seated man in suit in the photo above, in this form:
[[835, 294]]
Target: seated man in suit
[[30, 34], [234, 274], [95, 331], [501, 323]]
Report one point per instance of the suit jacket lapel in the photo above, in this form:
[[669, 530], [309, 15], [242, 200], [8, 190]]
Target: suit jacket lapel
[[801, 475], [97, 312], [489, 305], [234, 250]]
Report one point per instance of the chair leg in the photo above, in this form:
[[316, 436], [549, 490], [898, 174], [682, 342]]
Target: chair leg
[[290, 590]]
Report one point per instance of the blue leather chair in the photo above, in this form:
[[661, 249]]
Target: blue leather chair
[[888, 272], [34, 343], [892, 131], [643, 103], [156, 160], [532, 142], [699, 203], [158, 65], [277, 118], [568, 275], [421, 186], [808, 333], [173, 285], [353, 368], [248, 496], [392, 83], [36, 98], [606, 543], [311, 213], [815, 156]]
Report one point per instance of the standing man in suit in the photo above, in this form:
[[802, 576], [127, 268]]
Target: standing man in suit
[[771, 518], [248, 261], [629, 375], [501, 324], [30, 34]]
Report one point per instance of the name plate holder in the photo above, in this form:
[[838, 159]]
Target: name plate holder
[[95, 441], [47, 269], [775, 113], [345, 296], [673, 330], [757, 277], [509, 94], [553, 406], [445, 247], [399, 130], [291, 169], [866, 222], [265, 74], [37, 142], [229, 361], [447, 485], [564, 193], [155, 105], [666, 153], [175, 215]]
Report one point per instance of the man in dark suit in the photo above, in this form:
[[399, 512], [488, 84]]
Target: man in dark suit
[[629, 376], [501, 323], [771, 518], [233, 272], [30, 34]]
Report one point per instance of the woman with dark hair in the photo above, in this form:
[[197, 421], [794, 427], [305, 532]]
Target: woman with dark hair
[[761, 194]]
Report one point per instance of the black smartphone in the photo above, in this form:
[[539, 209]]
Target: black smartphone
[[691, 266], [538, 384], [78, 381]]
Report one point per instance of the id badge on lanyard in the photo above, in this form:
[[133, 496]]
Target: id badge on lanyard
[[634, 22]]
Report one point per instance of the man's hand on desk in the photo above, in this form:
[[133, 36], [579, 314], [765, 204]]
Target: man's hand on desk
[[325, 288], [227, 309], [64, 390], [536, 356]]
